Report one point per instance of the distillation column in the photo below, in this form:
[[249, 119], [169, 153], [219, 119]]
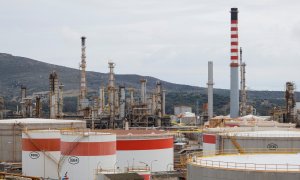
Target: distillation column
[[83, 102], [101, 100], [163, 104], [23, 105], [61, 101], [131, 93], [243, 86], [53, 95], [143, 91], [111, 94], [38, 107], [290, 102], [122, 102], [210, 84], [234, 65], [158, 102]]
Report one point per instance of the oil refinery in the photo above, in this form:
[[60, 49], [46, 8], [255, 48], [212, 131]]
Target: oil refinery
[[125, 133]]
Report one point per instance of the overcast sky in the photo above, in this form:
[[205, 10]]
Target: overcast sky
[[169, 39]]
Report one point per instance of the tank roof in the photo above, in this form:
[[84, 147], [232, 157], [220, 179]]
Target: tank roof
[[38, 121], [135, 132]]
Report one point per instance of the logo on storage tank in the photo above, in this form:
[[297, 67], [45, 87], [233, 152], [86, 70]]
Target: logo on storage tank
[[73, 160], [34, 155], [272, 146]]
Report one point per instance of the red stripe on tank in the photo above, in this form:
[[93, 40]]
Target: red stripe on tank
[[41, 144], [88, 148], [145, 144]]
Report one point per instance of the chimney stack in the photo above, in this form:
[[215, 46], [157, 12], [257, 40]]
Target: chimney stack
[[234, 65]]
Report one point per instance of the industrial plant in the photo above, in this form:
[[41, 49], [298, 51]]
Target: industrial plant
[[125, 132]]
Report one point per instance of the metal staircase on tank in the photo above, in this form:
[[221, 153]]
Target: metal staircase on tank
[[47, 154], [64, 157], [236, 144]]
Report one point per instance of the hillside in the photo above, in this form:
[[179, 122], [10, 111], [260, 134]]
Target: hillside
[[17, 71]]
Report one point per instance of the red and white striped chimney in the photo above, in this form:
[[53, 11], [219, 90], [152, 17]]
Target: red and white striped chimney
[[234, 65], [234, 38]]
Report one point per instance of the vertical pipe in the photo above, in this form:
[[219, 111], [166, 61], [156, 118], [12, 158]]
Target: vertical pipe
[[158, 103], [210, 84], [122, 102], [163, 103], [243, 86], [53, 83], [153, 104], [101, 100], [131, 91], [83, 88], [23, 105], [61, 100], [111, 94], [234, 65], [143, 91], [117, 102]]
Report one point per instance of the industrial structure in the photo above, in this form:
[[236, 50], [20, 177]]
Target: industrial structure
[[55, 97], [210, 84], [26, 103], [290, 103], [83, 102], [133, 139], [243, 107], [234, 65]]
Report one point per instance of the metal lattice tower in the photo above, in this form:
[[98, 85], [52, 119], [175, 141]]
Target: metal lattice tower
[[243, 86]]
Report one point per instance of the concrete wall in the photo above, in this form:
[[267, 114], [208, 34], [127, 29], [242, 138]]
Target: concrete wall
[[203, 173]]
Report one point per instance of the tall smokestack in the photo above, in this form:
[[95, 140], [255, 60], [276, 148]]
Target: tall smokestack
[[111, 94], [234, 65], [83, 88], [210, 84]]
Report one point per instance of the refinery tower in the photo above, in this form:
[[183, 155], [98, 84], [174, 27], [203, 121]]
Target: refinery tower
[[234, 65]]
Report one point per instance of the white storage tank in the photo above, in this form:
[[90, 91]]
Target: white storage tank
[[266, 166], [84, 152], [248, 141], [152, 148], [40, 153], [11, 133]]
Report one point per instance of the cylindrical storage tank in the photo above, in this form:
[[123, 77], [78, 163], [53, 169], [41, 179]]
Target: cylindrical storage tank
[[138, 149], [40, 153], [245, 166], [84, 152], [209, 144], [11, 133], [258, 140]]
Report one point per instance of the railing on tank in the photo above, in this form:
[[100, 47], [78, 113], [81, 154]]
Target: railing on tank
[[248, 166], [100, 170], [257, 134], [137, 168], [197, 159]]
